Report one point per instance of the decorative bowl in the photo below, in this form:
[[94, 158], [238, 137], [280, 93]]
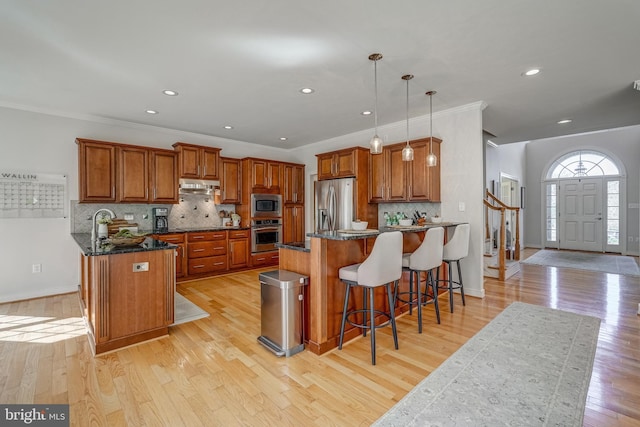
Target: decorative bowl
[[405, 222], [436, 219], [127, 241], [359, 225]]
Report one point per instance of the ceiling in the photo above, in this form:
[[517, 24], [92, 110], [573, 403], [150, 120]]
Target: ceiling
[[243, 64]]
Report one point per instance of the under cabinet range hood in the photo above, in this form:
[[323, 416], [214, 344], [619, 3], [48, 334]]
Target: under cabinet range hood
[[198, 186]]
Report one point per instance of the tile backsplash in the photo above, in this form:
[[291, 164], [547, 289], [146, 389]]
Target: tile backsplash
[[431, 209], [193, 211]]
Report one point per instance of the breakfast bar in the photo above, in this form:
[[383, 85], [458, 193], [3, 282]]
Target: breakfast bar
[[320, 258]]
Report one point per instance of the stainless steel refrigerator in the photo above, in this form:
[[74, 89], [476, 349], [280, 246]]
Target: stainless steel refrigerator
[[334, 204]]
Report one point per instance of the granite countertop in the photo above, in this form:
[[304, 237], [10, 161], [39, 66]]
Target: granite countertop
[[296, 246], [353, 234], [84, 242], [197, 229]]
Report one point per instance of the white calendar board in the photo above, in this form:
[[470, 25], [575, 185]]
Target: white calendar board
[[32, 195]]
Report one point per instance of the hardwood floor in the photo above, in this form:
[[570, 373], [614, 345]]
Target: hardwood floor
[[214, 372]]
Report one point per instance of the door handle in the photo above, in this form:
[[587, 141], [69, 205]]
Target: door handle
[[599, 218]]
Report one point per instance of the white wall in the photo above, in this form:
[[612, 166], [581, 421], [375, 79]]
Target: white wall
[[41, 143], [462, 172]]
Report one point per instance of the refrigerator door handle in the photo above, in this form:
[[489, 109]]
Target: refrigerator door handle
[[331, 207]]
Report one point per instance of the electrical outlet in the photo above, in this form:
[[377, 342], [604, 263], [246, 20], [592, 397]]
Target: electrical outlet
[[36, 268], [128, 216]]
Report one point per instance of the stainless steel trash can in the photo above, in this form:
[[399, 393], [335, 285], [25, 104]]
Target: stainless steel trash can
[[282, 311]]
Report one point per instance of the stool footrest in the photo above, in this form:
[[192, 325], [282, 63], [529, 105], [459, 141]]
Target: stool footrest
[[365, 313]]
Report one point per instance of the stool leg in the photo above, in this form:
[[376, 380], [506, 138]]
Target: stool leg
[[460, 278], [410, 292], [364, 313], [392, 315], [419, 305], [450, 287], [372, 326], [344, 314], [434, 289]]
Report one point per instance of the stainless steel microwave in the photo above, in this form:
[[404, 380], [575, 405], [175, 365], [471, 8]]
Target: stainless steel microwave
[[266, 206]]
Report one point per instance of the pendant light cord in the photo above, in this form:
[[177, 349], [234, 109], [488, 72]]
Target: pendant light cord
[[375, 84], [407, 111]]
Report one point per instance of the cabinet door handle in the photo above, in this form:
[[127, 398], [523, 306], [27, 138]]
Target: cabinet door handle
[[146, 193], [198, 250], [155, 193], [218, 263], [198, 170], [219, 247], [198, 266], [197, 237], [204, 170]]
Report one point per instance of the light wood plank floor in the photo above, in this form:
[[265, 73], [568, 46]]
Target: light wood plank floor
[[213, 372]]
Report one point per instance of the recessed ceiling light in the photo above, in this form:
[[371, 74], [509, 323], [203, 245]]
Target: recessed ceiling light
[[283, 138], [170, 92], [151, 112], [564, 121], [531, 72], [306, 90], [228, 127], [366, 113]]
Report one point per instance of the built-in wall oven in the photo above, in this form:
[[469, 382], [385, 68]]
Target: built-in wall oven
[[265, 233], [266, 206]]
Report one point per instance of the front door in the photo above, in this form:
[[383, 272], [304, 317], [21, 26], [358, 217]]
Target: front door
[[580, 222]]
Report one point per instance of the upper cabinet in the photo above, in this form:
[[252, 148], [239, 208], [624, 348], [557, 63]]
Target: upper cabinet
[[339, 164], [293, 183], [263, 176], [112, 172], [230, 181], [198, 162], [393, 180], [97, 171]]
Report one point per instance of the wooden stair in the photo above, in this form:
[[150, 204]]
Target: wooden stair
[[496, 264], [492, 268]]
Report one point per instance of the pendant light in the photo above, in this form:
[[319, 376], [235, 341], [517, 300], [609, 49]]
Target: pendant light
[[375, 145], [432, 160], [407, 151]]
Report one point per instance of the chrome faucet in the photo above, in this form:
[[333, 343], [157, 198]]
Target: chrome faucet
[[93, 222]]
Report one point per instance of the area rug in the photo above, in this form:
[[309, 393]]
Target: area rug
[[186, 311], [616, 264], [530, 366]]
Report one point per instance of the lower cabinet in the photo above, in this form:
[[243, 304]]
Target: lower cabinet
[[263, 259], [238, 249], [123, 304], [176, 239], [206, 252]]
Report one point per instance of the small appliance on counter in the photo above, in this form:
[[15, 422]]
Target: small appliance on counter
[[160, 219]]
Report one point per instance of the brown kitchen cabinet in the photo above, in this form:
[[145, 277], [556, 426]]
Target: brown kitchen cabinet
[[125, 305], [387, 175], [263, 175], [293, 224], [176, 239], [393, 180], [293, 177], [340, 164], [206, 252], [238, 248], [230, 181], [197, 162], [146, 175], [264, 259], [97, 171]]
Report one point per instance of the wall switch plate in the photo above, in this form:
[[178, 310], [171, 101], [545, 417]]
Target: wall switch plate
[[128, 216], [36, 268], [461, 206], [140, 266]]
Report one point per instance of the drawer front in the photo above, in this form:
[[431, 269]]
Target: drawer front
[[205, 249], [238, 234], [265, 258], [207, 264], [206, 236], [170, 238]]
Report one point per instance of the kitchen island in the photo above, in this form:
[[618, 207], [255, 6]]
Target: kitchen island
[[126, 292], [321, 258]]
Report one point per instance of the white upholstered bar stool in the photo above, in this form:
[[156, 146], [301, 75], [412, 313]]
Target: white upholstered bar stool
[[454, 250], [382, 267], [426, 258]]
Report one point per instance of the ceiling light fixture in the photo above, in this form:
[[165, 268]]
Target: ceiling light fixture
[[366, 113], [564, 121], [306, 90], [375, 145], [407, 151], [283, 138], [228, 127], [151, 112], [170, 92], [531, 72], [432, 160]]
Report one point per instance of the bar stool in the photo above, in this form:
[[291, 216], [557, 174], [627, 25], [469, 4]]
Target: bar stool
[[424, 259], [382, 267], [454, 250]]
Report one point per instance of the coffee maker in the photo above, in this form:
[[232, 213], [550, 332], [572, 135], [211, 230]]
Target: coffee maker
[[160, 219]]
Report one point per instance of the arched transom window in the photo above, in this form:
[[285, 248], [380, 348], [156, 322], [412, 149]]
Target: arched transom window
[[582, 163]]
